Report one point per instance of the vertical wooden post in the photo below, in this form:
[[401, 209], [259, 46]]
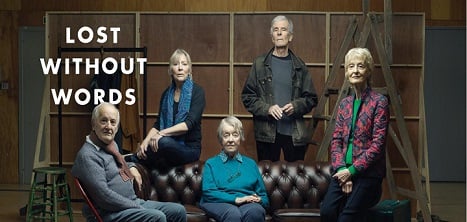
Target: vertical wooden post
[[388, 29], [365, 7], [407, 151]]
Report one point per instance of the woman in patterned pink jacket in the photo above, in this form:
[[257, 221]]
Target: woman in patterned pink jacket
[[358, 145]]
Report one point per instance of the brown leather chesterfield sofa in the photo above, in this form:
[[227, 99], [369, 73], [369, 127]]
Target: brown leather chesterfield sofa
[[295, 189]]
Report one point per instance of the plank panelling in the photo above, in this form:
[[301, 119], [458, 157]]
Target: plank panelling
[[204, 37], [407, 81], [10, 5], [240, 76], [257, 27], [149, 122], [225, 5], [160, 5], [157, 80], [9, 117], [318, 75], [395, 157], [457, 11], [338, 29], [455, 17], [215, 81], [408, 40], [76, 127], [249, 27], [344, 5]]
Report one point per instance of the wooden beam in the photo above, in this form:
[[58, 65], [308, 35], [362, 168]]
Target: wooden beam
[[388, 29], [365, 7], [319, 109], [407, 152]]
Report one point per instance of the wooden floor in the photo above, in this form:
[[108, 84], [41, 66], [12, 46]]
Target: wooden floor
[[447, 202]]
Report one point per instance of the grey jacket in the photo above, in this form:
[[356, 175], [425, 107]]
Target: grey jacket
[[257, 97]]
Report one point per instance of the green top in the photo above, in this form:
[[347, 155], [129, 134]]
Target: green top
[[348, 155]]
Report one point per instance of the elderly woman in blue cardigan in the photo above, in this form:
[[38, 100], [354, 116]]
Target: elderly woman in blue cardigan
[[233, 189]]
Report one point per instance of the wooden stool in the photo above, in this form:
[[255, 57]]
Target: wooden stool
[[45, 196]]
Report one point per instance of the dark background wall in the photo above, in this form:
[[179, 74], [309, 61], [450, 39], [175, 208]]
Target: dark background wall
[[445, 91]]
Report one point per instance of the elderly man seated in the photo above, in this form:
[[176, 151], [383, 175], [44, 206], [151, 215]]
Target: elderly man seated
[[109, 180]]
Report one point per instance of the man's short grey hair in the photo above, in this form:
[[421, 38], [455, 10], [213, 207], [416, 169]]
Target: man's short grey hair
[[96, 111], [282, 18]]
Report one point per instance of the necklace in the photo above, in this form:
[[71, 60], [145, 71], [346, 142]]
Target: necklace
[[234, 175]]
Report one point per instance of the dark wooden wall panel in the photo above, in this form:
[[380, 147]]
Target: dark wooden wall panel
[[308, 30], [76, 128], [204, 37], [157, 80], [407, 81], [250, 28], [215, 82], [339, 24], [9, 98], [240, 76], [318, 75], [396, 159], [407, 38], [444, 13]]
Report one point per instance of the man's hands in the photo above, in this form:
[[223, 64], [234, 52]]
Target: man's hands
[[137, 176], [248, 199], [276, 111]]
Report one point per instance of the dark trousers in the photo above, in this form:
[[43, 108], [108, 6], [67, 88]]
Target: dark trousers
[[272, 151], [170, 153], [250, 212], [341, 207]]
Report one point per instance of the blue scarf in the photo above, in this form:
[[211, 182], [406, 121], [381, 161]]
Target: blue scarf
[[166, 115]]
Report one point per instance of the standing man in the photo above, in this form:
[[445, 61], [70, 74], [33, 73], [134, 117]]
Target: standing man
[[278, 92]]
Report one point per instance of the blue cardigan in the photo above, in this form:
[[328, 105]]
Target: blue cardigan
[[225, 179]]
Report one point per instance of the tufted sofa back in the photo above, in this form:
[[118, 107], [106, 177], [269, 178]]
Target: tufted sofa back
[[295, 185], [289, 185]]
